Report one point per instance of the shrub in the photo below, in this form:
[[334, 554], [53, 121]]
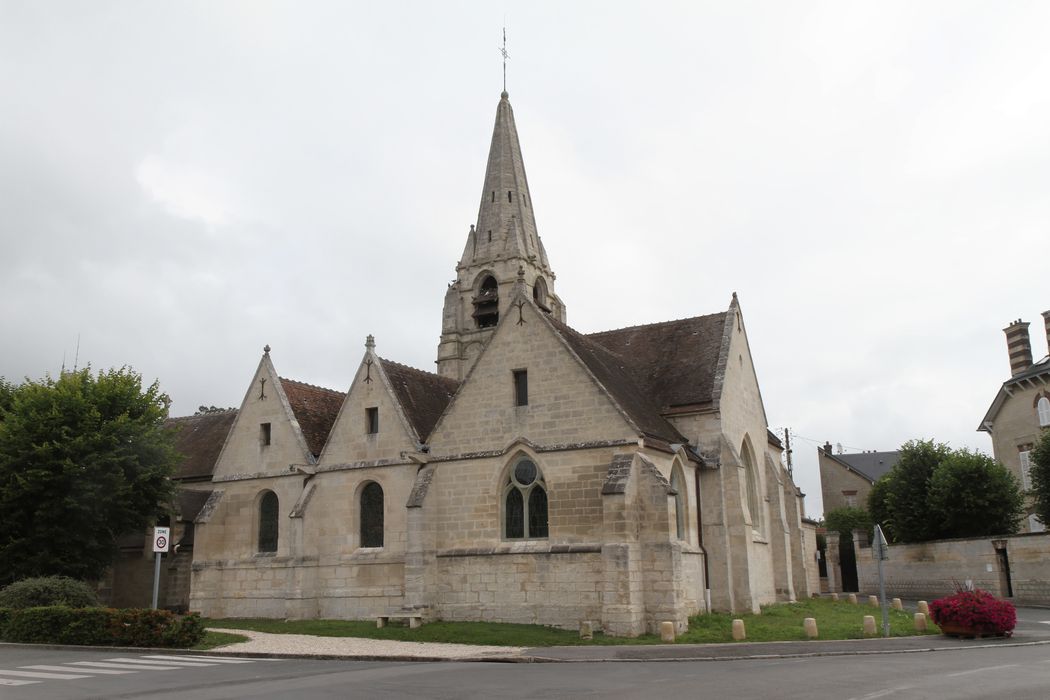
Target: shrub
[[46, 591], [103, 627], [977, 610]]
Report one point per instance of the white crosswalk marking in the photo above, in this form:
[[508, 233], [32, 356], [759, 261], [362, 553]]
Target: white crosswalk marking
[[72, 668], [40, 674], [133, 667], [10, 681], [211, 659], [170, 664]]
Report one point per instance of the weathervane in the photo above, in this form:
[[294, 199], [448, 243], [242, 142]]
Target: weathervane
[[503, 51]]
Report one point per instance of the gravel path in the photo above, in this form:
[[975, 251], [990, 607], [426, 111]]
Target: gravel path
[[307, 645]]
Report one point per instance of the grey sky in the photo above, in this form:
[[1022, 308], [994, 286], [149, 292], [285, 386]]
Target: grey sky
[[182, 183]]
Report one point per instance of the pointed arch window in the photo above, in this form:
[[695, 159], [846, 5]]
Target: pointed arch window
[[539, 294], [525, 502], [268, 525], [678, 486], [486, 303], [751, 477], [1042, 408], [372, 515]]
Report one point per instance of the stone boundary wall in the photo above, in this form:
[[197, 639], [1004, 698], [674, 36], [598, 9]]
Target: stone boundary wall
[[932, 570]]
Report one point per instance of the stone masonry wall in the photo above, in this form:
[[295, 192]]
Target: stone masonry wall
[[933, 569]]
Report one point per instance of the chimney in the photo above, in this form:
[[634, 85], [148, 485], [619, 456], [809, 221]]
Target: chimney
[[827, 445], [1019, 346], [1046, 323]]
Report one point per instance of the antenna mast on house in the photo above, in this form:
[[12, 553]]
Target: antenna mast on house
[[76, 357]]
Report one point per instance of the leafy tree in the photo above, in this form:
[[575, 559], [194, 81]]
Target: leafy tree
[[7, 395], [83, 459], [972, 495], [207, 410], [934, 492], [1039, 473], [845, 520]]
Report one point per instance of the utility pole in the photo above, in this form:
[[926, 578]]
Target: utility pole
[[787, 448]]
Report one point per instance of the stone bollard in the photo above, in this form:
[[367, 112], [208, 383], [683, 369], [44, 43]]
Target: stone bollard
[[666, 631], [869, 625], [586, 630], [834, 596], [897, 604], [853, 598], [924, 608], [873, 601], [809, 625], [920, 622], [738, 630]]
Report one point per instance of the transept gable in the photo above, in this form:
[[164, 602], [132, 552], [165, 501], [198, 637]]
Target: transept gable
[[265, 437], [372, 423]]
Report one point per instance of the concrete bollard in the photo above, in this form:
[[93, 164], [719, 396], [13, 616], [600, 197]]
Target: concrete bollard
[[897, 604], [920, 622], [853, 598], [834, 596], [738, 630], [809, 625], [873, 601], [586, 630], [924, 608], [869, 625], [666, 631]]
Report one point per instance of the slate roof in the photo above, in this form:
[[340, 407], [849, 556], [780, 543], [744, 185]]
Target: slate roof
[[423, 395], [199, 439], [618, 375], [190, 503], [870, 465], [315, 408], [675, 362]]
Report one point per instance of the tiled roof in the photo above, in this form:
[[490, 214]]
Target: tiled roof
[[674, 362], [423, 395], [190, 503], [617, 375], [199, 439], [871, 465], [315, 408]]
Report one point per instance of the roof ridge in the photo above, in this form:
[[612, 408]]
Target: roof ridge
[[656, 323], [312, 386]]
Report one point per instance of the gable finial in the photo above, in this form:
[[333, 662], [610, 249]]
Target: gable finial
[[370, 342], [503, 51], [266, 349]]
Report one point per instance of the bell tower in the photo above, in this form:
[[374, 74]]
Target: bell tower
[[503, 240]]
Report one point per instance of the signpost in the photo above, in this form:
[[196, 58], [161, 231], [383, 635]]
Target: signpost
[[880, 550], [161, 540]]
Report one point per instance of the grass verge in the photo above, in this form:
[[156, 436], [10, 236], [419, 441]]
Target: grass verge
[[776, 623], [218, 639]]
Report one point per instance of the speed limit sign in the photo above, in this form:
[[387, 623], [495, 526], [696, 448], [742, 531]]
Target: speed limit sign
[[160, 538]]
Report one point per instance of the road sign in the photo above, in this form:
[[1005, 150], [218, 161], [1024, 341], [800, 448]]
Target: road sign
[[161, 538], [880, 548]]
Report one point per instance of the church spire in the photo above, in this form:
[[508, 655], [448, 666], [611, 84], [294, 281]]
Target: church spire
[[506, 226]]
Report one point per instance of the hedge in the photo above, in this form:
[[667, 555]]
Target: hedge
[[101, 627], [48, 590]]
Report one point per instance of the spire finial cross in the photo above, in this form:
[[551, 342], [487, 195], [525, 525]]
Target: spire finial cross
[[503, 51]]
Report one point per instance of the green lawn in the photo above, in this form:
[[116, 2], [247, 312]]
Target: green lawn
[[782, 622], [218, 639]]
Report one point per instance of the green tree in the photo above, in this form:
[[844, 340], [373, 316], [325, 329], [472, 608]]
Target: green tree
[[906, 496], [83, 459], [972, 495], [845, 520], [1039, 473], [878, 506]]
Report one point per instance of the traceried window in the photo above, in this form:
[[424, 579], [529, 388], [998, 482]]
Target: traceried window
[[268, 507], [1026, 467], [1042, 408], [524, 502], [678, 486], [372, 515]]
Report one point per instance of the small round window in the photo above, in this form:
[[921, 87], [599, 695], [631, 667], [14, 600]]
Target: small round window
[[525, 472]]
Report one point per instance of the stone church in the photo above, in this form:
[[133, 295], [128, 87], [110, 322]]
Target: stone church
[[542, 475]]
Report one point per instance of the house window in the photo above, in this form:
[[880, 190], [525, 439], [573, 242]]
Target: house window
[[1026, 466], [521, 387], [1042, 407], [372, 420], [524, 502], [679, 501], [264, 434], [851, 498], [268, 522], [372, 515]]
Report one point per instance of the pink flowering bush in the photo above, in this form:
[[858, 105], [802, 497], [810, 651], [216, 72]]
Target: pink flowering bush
[[977, 610]]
